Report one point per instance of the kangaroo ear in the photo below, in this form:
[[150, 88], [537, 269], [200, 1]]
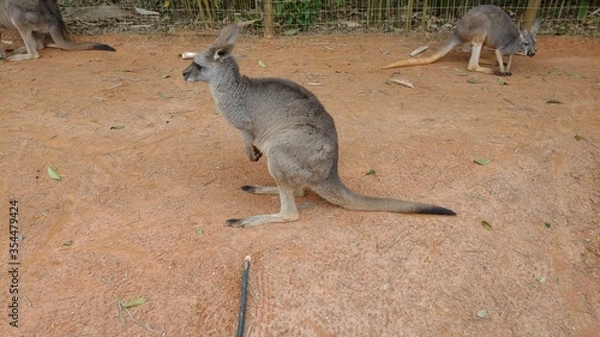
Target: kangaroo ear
[[535, 26], [228, 35], [222, 52], [223, 45], [522, 28]]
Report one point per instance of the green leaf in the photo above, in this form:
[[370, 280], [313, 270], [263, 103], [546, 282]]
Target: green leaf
[[579, 138], [53, 173], [134, 303], [290, 32], [486, 225], [547, 225], [473, 81], [117, 127], [165, 96], [261, 64], [481, 313], [163, 76], [501, 81], [541, 279], [482, 161], [199, 230], [553, 101], [67, 243], [370, 173]]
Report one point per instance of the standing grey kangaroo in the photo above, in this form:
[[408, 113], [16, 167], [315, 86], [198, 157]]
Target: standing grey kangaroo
[[489, 26], [34, 17], [291, 127]]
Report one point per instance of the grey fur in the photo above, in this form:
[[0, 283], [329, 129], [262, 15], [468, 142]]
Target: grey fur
[[489, 26], [34, 18], [291, 127]]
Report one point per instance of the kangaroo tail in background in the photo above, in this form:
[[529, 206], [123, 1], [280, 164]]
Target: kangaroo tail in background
[[448, 46], [58, 32], [61, 41]]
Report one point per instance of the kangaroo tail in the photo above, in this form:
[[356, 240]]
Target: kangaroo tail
[[448, 46], [335, 192], [61, 41], [83, 46], [58, 32]]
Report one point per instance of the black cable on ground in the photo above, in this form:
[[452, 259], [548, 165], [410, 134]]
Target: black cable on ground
[[242, 314]]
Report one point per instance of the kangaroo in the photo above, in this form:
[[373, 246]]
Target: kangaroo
[[489, 26], [288, 124], [34, 17]]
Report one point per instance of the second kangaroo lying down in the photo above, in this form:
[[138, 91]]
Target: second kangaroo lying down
[[488, 26], [291, 127]]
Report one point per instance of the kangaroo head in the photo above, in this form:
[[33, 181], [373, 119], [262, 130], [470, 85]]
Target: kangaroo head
[[212, 62], [528, 37]]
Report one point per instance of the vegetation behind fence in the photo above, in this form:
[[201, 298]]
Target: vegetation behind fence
[[289, 17]]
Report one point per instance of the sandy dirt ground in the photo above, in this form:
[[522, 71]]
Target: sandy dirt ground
[[151, 171]]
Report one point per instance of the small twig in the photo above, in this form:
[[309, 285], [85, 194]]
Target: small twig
[[403, 82], [120, 311], [370, 292], [396, 239], [121, 308], [379, 91], [384, 286], [115, 86], [28, 301], [145, 326], [513, 104]]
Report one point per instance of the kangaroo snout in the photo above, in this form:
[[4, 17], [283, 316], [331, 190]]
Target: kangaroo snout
[[188, 73], [530, 53]]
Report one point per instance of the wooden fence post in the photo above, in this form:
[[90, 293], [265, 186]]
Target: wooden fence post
[[268, 21], [531, 12], [424, 21], [409, 14]]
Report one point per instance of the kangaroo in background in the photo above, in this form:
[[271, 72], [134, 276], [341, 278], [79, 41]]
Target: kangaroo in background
[[34, 17], [291, 127], [489, 26]]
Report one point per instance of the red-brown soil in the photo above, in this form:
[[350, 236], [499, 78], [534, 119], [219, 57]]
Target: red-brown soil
[[139, 211]]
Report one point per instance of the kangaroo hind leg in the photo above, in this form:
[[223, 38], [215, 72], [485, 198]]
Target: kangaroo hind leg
[[31, 44], [288, 211], [474, 60]]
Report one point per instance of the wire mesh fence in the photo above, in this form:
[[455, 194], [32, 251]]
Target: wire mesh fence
[[289, 17]]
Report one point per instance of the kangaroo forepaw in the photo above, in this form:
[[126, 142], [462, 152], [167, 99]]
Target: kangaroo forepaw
[[255, 155], [504, 74]]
